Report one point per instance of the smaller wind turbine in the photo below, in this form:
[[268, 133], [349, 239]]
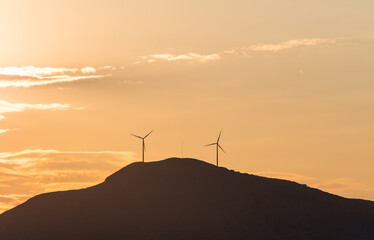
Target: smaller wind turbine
[[217, 145], [142, 138]]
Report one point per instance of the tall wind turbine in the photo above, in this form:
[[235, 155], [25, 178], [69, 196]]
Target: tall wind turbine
[[217, 145], [142, 138]]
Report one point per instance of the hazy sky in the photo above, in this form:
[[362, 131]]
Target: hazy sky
[[290, 83]]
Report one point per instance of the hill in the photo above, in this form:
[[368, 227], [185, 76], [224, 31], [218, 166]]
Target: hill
[[189, 199]]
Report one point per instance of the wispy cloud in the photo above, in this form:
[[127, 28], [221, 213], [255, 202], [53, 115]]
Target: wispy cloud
[[289, 44], [36, 72], [88, 69], [3, 130], [8, 201], [31, 76], [27, 173], [201, 58], [44, 81], [6, 107], [193, 57], [108, 67]]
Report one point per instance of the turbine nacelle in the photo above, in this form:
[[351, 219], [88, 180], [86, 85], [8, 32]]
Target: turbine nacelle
[[142, 137]]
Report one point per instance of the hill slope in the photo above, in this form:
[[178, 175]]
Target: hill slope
[[189, 199]]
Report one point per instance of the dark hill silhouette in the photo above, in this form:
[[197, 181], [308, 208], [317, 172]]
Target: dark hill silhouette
[[189, 199]]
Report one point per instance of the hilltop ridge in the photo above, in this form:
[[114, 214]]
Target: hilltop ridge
[[189, 199]]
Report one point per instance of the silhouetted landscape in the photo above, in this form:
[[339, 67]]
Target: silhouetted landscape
[[189, 199]]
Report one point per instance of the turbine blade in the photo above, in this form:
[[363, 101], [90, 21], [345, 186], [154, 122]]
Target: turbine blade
[[136, 136], [148, 134], [210, 144], [219, 136], [144, 146], [221, 148]]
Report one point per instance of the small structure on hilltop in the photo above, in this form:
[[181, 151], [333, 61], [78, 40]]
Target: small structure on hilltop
[[217, 145], [142, 138]]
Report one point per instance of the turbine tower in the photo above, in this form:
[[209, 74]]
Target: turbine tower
[[217, 146], [142, 138]]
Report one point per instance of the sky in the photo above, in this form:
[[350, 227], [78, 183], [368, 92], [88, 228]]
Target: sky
[[289, 83]]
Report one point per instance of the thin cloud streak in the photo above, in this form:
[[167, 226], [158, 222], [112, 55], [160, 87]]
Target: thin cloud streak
[[88, 69], [7, 107], [200, 58], [34, 171], [31, 76], [46, 81], [3, 130], [6, 156], [108, 67], [8, 201], [31, 71], [193, 57], [289, 44]]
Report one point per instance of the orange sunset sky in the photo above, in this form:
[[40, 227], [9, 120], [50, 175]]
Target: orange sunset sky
[[290, 83]]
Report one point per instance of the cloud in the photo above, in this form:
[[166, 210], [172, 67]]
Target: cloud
[[31, 76], [35, 72], [3, 130], [11, 200], [289, 44], [200, 58], [107, 68], [45, 81], [6, 107], [27, 173], [87, 69], [192, 57]]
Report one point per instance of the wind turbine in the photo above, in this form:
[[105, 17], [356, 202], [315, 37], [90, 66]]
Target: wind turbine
[[217, 145], [142, 138]]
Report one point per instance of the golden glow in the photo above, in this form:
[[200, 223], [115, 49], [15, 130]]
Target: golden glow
[[290, 85]]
